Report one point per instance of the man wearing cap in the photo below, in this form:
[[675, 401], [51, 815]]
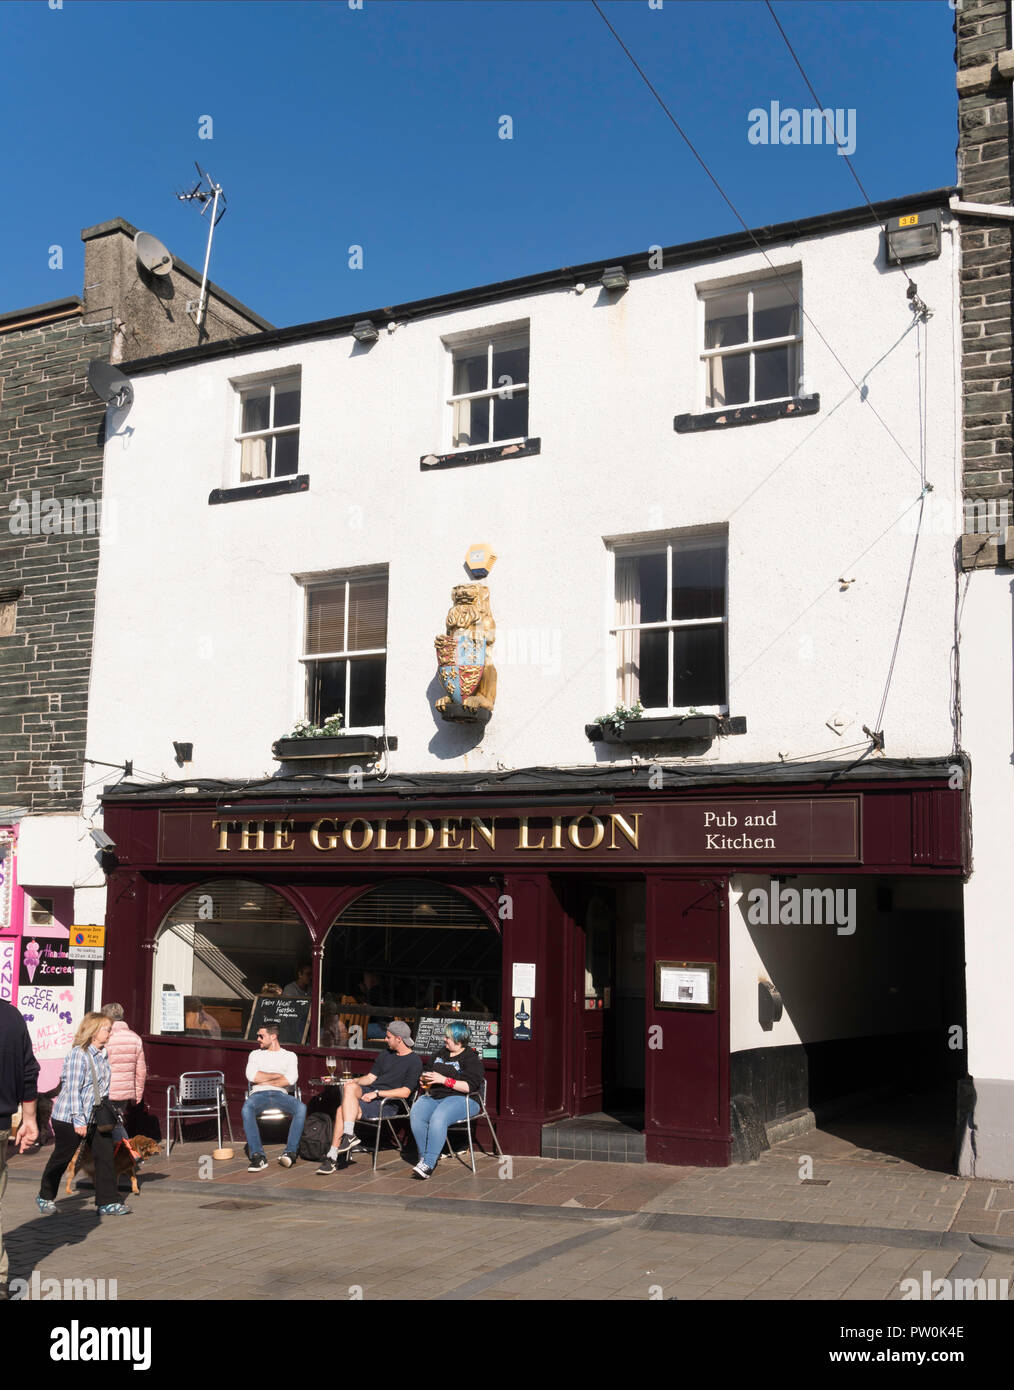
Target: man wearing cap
[[395, 1076]]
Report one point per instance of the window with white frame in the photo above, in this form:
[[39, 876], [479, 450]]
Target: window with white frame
[[489, 390], [670, 625], [267, 428], [752, 343], [345, 649]]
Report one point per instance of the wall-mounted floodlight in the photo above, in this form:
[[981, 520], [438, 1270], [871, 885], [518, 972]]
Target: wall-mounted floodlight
[[614, 277], [365, 331], [103, 840], [913, 238]]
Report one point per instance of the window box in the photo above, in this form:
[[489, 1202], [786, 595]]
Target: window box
[[293, 750], [691, 726]]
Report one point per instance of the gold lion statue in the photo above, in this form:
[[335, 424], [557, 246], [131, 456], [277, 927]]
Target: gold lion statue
[[464, 653]]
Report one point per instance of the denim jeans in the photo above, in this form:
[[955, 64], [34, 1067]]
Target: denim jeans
[[430, 1119], [260, 1101]]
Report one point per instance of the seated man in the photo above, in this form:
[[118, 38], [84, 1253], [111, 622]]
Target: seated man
[[395, 1075], [269, 1071]]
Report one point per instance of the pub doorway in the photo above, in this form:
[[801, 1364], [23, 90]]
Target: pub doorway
[[609, 991]]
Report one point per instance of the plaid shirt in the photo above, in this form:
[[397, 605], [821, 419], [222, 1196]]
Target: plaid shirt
[[77, 1093]]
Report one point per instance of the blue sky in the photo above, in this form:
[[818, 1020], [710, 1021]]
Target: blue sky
[[379, 127]]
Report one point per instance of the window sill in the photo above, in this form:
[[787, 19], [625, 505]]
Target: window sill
[[747, 414], [695, 726], [430, 463], [270, 487]]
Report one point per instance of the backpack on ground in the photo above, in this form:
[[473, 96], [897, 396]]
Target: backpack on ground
[[316, 1138]]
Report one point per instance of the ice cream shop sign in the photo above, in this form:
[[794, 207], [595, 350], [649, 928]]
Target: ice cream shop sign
[[788, 829]]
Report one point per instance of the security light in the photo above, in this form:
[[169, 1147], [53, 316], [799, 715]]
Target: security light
[[614, 277], [103, 840], [913, 238], [365, 331]]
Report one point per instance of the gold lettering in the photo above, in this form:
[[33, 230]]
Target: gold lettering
[[413, 821], [331, 840], [488, 833], [445, 832], [282, 841], [573, 832], [523, 835], [382, 835], [557, 831], [250, 828], [223, 834], [367, 833], [631, 834]]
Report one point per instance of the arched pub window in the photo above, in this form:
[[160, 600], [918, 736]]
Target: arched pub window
[[223, 944], [403, 949]]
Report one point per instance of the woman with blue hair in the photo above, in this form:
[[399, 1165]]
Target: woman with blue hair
[[454, 1077]]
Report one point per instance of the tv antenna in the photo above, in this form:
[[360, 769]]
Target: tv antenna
[[209, 194]]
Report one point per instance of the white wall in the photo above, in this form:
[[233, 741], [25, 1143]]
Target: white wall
[[199, 619]]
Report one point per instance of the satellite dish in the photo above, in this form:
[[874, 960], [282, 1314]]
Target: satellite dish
[[109, 384], [152, 254]]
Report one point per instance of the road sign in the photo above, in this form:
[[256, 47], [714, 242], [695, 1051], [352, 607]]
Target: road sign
[[87, 943]]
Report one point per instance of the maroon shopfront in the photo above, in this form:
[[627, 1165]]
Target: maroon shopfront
[[587, 918]]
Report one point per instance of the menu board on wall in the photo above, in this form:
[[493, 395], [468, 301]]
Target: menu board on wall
[[484, 1033], [291, 1015]]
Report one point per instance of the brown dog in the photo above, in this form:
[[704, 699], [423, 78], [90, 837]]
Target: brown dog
[[123, 1160]]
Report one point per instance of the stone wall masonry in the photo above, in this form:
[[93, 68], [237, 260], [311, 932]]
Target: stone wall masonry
[[984, 176], [51, 444]]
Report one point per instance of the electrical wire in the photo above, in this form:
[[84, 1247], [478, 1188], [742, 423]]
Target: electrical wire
[[866, 197], [749, 231]]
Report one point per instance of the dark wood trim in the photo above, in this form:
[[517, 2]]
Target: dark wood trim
[[273, 487], [432, 463], [746, 415]]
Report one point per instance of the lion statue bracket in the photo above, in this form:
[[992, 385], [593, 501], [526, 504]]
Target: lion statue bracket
[[464, 656]]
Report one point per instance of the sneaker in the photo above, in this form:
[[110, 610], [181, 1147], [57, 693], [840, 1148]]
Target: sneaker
[[347, 1143], [47, 1208], [287, 1160], [327, 1165], [421, 1170], [114, 1209], [257, 1163]]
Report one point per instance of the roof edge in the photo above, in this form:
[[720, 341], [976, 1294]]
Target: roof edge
[[681, 254]]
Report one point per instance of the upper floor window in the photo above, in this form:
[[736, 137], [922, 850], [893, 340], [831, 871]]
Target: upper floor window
[[345, 650], [670, 625], [489, 400], [268, 429], [752, 343]]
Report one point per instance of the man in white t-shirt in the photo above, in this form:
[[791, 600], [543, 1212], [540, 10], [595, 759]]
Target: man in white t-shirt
[[269, 1072]]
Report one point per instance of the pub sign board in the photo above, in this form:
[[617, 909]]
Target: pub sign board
[[784, 830]]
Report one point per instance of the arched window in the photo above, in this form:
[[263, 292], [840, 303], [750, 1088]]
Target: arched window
[[406, 948], [221, 946]]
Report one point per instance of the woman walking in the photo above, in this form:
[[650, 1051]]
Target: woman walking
[[83, 1084], [456, 1075]]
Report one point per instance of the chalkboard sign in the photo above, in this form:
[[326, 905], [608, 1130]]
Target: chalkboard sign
[[291, 1015], [484, 1033]]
